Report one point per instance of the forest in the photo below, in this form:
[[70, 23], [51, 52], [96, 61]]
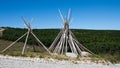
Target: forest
[[98, 41]]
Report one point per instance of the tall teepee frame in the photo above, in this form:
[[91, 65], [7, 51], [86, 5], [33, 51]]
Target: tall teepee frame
[[66, 39], [27, 35]]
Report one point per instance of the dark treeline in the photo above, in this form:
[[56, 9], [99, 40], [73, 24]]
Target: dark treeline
[[98, 41]]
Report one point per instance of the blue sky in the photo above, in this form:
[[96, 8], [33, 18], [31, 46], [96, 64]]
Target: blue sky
[[86, 14]]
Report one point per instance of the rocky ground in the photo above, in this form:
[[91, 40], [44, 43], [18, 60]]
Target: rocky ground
[[27, 62]]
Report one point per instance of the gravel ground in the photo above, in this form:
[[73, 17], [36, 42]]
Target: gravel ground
[[26, 62]]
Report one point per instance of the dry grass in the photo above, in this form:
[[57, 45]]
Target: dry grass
[[16, 50]]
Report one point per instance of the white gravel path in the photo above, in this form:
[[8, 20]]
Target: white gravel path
[[22, 62]]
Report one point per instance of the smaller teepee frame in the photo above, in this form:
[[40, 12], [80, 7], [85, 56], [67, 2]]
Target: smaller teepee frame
[[66, 39], [27, 35]]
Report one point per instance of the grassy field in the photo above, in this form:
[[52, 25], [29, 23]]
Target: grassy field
[[102, 42]]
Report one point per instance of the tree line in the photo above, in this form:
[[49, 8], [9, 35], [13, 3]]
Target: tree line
[[98, 41]]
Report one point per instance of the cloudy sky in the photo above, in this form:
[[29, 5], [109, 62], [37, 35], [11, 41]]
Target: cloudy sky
[[86, 14]]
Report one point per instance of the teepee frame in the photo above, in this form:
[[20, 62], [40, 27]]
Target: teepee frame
[[66, 39], [27, 35]]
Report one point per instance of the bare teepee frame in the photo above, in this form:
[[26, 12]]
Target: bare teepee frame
[[27, 35], [66, 39]]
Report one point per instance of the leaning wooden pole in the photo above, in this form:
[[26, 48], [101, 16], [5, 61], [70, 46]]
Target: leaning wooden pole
[[23, 50], [14, 42], [56, 39], [40, 42], [66, 39]]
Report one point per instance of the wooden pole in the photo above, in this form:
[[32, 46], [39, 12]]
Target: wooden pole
[[74, 49], [57, 48], [61, 16], [40, 43], [25, 42], [70, 46], [63, 45], [55, 41], [14, 42], [78, 48], [66, 44]]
